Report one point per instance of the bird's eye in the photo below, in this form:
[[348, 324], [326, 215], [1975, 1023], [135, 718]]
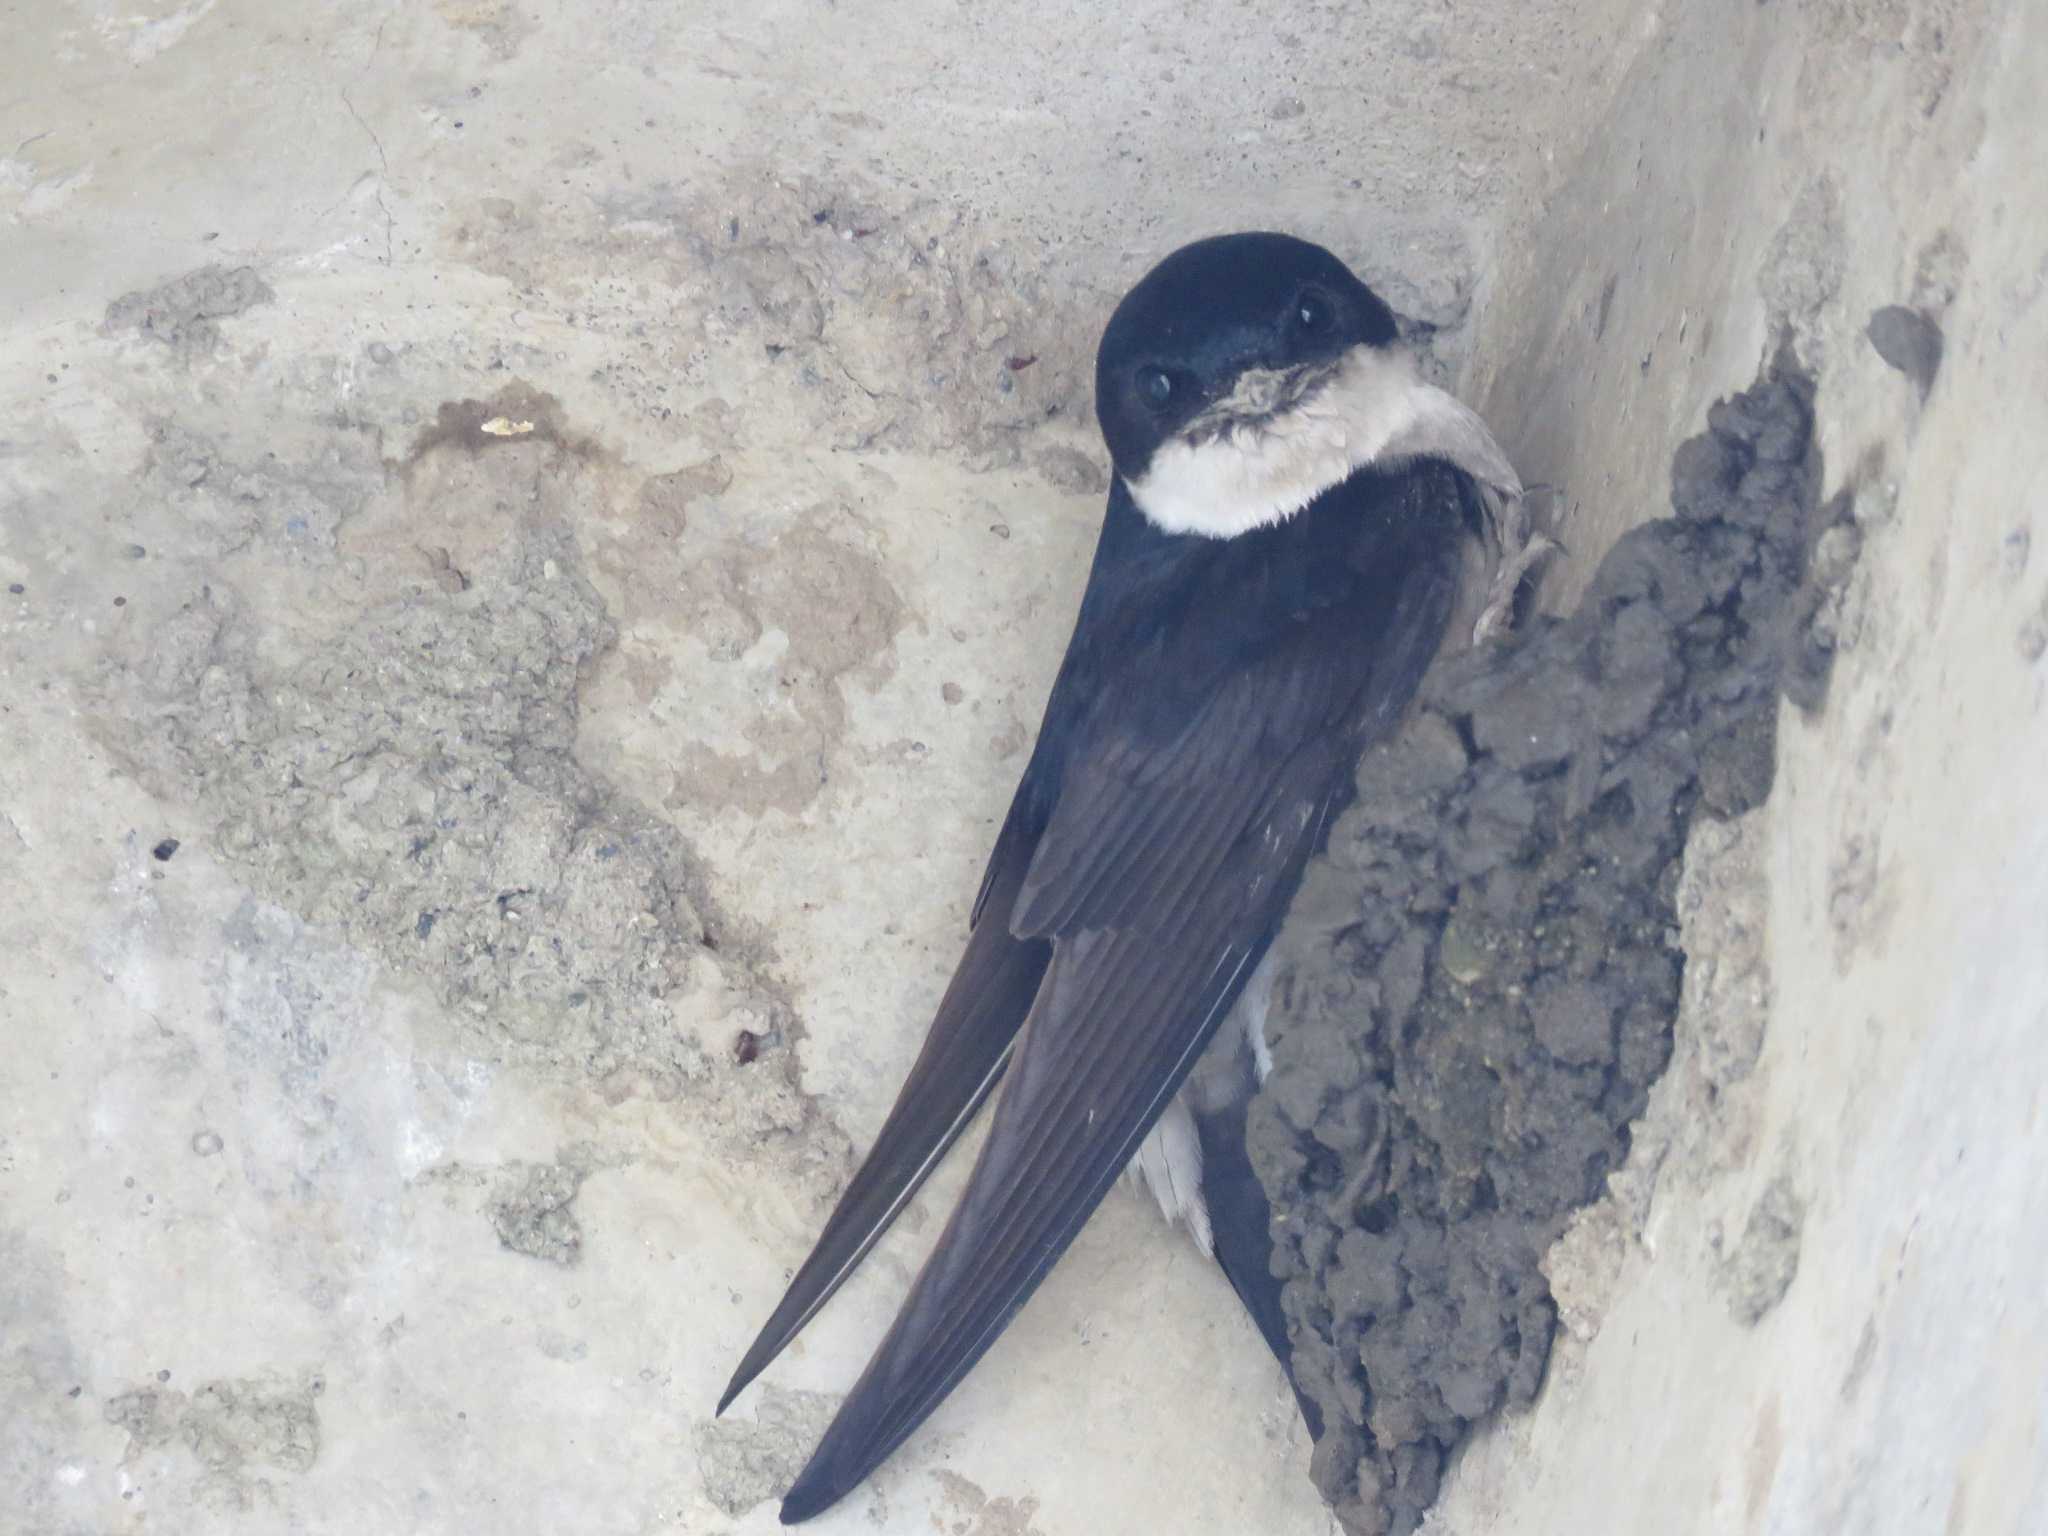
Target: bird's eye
[[1312, 312], [1155, 387]]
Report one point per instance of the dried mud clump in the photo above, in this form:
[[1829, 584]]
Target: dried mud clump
[[1482, 975]]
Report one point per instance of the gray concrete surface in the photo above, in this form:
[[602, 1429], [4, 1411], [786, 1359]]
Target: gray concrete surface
[[566, 515]]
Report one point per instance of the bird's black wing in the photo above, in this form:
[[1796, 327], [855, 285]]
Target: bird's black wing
[[968, 1044], [964, 1054], [971, 1035], [1163, 871]]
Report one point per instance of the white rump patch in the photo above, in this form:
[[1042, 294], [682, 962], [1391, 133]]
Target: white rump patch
[[1169, 1162], [1252, 1008], [1243, 463]]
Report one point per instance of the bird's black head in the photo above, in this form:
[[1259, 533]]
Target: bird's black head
[[1181, 339], [1245, 374]]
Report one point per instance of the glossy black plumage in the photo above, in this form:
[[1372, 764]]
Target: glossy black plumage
[[1215, 698], [1218, 688], [963, 1057]]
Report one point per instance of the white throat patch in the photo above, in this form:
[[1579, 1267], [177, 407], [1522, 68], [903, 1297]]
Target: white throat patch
[[1240, 466]]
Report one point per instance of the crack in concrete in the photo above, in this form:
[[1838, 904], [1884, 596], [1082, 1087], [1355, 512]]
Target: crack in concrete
[[383, 161]]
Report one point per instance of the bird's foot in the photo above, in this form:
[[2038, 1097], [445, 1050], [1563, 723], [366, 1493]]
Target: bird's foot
[[1518, 552]]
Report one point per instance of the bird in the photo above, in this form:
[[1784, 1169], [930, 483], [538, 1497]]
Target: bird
[[1277, 566]]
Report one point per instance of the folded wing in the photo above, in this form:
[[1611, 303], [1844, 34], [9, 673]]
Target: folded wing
[[1160, 878], [964, 1054]]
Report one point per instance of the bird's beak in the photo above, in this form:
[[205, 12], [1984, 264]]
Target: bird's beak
[[1435, 424]]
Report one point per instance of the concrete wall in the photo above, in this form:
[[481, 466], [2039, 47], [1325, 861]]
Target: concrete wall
[[566, 516]]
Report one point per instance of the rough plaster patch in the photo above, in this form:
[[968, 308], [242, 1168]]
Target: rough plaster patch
[[228, 1427], [184, 313], [1803, 270], [1757, 1271], [744, 1462], [398, 758], [532, 1214], [1922, 37]]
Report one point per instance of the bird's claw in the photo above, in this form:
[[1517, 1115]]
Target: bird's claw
[[1517, 553]]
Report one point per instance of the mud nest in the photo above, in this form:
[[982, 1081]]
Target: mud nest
[[1483, 973]]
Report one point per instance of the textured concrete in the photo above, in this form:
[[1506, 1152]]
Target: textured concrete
[[566, 515]]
